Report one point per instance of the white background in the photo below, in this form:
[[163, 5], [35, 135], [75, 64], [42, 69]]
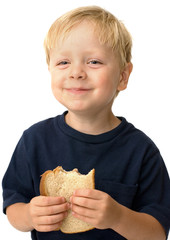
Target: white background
[[25, 94]]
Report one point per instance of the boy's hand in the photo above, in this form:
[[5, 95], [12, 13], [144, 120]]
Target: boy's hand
[[47, 213], [96, 208]]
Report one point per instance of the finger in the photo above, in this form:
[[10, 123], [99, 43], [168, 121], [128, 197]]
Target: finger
[[86, 212], [51, 210], [49, 228], [86, 219], [84, 202], [48, 201], [53, 219], [88, 193]]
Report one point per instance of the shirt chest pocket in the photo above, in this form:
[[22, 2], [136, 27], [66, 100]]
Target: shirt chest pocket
[[124, 194]]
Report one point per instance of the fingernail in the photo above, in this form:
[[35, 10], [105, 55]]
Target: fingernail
[[68, 205]]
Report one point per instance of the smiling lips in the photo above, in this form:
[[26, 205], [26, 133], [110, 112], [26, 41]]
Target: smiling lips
[[77, 90]]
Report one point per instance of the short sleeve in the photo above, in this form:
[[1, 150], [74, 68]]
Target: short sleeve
[[17, 183], [153, 195]]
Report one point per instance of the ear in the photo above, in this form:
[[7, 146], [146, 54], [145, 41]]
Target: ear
[[124, 76]]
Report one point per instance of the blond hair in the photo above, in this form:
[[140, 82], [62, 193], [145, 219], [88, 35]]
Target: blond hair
[[108, 28]]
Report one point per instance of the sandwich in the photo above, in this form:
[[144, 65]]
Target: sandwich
[[63, 183]]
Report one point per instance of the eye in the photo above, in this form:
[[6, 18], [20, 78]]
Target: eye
[[94, 62], [63, 63]]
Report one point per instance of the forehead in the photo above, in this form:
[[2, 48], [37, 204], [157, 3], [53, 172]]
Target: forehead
[[81, 31], [82, 36]]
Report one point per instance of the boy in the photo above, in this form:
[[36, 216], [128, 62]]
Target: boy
[[88, 53]]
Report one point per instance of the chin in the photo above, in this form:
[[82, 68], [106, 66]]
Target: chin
[[76, 107]]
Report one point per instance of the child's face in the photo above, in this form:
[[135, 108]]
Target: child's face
[[85, 74]]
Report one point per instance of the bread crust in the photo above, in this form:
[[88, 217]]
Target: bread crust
[[42, 183], [44, 192]]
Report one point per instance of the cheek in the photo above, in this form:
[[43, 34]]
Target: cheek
[[53, 84], [55, 81], [55, 87], [107, 84]]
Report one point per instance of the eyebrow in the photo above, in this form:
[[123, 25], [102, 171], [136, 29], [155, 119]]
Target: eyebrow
[[86, 52]]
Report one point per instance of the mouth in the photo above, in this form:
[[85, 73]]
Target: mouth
[[77, 90]]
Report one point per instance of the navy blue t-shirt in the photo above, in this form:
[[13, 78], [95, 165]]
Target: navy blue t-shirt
[[128, 166]]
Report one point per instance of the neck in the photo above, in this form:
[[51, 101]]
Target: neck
[[93, 124]]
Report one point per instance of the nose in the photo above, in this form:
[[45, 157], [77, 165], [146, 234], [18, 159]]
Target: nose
[[77, 72]]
